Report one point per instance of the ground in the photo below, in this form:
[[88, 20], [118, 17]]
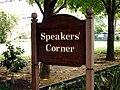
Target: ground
[[58, 73]]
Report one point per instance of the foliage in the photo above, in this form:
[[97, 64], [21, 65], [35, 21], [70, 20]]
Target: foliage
[[22, 36], [5, 86], [3, 36], [97, 5], [75, 84], [12, 59], [99, 25], [82, 5], [108, 79], [50, 6], [98, 29], [7, 22]]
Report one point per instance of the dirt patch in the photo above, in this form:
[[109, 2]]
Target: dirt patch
[[61, 73]]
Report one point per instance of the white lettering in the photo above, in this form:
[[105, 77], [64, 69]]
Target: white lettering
[[57, 37], [47, 38], [60, 36], [77, 36], [42, 36], [50, 48]]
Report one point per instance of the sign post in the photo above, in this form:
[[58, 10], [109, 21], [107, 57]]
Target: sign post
[[63, 40], [35, 65], [89, 50]]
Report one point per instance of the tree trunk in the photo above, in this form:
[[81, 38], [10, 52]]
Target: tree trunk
[[48, 11], [12, 78], [110, 41], [44, 71]]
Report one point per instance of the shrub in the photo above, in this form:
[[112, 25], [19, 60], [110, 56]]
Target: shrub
[[108, 79], [12, 59], [5, 86]]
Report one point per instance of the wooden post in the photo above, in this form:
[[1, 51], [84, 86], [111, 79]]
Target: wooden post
[[35, 65], [89, 50]]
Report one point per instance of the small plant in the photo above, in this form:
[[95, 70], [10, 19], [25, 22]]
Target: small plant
[[5, 86], [12, 60], [108, 79]]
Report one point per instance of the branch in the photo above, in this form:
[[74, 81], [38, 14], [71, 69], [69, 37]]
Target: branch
[[63, 6], [52, 5], [105, 4], [37, 2], [117, 6], [53, 2], [113, 5]]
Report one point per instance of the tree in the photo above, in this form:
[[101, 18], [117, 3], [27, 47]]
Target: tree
[[109, 7], [7, 22], [51, 7]]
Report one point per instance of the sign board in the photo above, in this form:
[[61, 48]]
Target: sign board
[[61, 41]]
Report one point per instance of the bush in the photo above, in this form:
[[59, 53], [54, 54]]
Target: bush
[[12, 59], [5, 86], [108, 79]]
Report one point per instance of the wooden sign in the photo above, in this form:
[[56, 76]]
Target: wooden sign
[[61, 41]]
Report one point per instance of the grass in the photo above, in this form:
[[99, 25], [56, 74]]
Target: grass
[[117, 52], [99, 50], [104, 49], [100, 53]]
